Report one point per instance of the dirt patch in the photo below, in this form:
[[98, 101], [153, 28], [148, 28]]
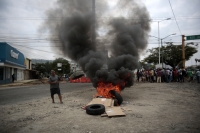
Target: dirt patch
[[166, 108]]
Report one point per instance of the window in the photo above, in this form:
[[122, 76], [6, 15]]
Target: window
[[7, 72]]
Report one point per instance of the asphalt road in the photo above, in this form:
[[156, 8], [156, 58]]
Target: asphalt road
[[19, 94]]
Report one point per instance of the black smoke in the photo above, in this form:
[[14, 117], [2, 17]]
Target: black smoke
[[74, 31], [122, 77]]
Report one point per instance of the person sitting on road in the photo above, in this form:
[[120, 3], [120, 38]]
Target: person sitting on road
[[54, 86]]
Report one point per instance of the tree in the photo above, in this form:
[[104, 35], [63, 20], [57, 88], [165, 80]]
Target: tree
[[48, 67], [172, 54], [40, 67], [45, 68]]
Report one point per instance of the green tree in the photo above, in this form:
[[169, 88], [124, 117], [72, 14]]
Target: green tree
[[65, 69], [172, 54], [40, 67], [48, 67]]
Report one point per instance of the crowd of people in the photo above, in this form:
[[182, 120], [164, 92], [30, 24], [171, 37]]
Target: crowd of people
[[167, 75]]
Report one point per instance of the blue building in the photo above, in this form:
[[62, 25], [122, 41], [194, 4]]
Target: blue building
[[12, 62]]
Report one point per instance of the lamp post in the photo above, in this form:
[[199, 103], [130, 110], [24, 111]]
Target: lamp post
[[161, 44], [159, 35]]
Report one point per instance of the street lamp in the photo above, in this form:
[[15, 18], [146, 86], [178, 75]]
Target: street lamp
[[161, 45], [159, 35]]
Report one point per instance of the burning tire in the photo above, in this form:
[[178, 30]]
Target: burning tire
[[95, 109], [115, 102], [117, 96]]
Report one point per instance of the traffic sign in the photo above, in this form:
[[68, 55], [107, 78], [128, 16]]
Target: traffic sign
[[194, 37]]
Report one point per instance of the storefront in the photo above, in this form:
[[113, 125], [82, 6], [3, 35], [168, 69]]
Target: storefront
[[11, 62]]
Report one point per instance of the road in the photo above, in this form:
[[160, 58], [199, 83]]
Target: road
[[19, 94]]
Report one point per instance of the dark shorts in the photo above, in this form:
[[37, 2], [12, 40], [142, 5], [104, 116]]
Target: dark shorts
[[54, 91]]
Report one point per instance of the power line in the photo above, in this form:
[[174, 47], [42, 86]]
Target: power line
[[174, 17], [29, 34], [28, 52], [60, 18], [38, 49], [24, 38]]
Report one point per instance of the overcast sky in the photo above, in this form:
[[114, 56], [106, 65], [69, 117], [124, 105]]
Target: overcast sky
[[21, 20]]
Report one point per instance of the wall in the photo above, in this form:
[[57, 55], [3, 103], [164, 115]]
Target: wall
[[11, 61], [20, 74]]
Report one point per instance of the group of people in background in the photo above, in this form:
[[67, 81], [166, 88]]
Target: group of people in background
[[167, 75]]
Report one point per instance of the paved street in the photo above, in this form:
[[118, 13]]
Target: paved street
[[18, 94]]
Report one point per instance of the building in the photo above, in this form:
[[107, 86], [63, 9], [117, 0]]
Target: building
[[29, 73], [12, 61]]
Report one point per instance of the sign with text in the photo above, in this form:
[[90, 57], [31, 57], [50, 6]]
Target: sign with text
[[194, 37]]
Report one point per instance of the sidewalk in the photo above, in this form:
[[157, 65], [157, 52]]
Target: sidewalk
[[18, 83]]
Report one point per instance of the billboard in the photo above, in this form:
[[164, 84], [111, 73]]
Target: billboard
[[59, 64]]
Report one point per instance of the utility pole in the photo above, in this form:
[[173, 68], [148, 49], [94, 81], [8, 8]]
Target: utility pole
[[183, 50], [159, 36], [159, 43], [93, 22], [162, 52]]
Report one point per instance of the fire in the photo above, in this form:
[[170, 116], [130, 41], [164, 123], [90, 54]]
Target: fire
[[103, 89]]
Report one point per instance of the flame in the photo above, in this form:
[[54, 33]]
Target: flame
[[103, 89]]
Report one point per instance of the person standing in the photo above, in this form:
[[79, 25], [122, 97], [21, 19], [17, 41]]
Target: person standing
[[13, 77], [180, 75], [159, 74], [152, 75], [54, 86], [163, 75], [138, 75], [66, 77], [189, 74], [183, 74], [143, 76], [170, 75], [175, 73], [198, 75], [167, 75]]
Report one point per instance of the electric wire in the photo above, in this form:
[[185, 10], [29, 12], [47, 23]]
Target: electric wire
[[99, 18], [27, 52], [174, 17], [38, 49], [30, 54]]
